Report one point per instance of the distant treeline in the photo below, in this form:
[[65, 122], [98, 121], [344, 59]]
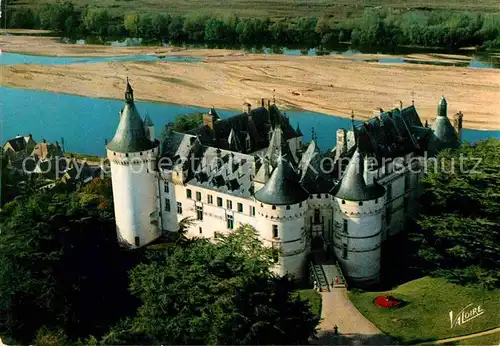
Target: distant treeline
[[377, 27]]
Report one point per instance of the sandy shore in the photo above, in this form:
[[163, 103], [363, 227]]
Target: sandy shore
[[226, 79]]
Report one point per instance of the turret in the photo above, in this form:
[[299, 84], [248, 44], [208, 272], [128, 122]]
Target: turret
[[132, 156], [281, 209], [445, 135], [149, 128], [442, 108], [358, 211]]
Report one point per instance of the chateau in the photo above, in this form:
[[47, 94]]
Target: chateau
[[253, 168]]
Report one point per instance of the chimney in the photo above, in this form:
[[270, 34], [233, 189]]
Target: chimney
[[262, 102], [378, 112], [247, 107], [457, 124], [341, 142], [208, 120]]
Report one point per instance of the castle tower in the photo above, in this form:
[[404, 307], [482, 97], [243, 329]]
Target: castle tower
[[149, 128], [132, 157], [358, 209], [446, 135], [281, 213]]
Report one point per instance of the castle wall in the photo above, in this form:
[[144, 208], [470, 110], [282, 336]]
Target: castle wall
[[288, 223], [358, 238], [135, 193], [319, 217]]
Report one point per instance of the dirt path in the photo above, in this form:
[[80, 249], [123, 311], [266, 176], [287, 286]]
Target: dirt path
[[354, 328], [226, 79]]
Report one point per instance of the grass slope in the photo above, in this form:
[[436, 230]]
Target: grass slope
[[314, 299], [274, 8], [426, 314]]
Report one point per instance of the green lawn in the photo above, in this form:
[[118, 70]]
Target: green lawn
[[272, 8], [488, 340], [314, 299], [426, 314]]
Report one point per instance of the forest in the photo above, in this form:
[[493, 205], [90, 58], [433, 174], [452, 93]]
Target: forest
[[377, 27]]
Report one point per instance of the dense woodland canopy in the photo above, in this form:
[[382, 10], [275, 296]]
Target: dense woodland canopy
[[376, 27], [459, 226], [64, 279]]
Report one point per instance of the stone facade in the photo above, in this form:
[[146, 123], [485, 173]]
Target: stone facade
[[253, 169]]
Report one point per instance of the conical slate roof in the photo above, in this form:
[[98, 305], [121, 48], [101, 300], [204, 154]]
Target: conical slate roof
[[443, 129], [283, 188], [148, 121], [130, 135], [352, 186]]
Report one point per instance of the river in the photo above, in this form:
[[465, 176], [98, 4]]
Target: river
[[85, 123]]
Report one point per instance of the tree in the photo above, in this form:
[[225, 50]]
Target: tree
[[96, 21], [62, 272], [130, 23], [214, 293], [184, 123], [459, 235]]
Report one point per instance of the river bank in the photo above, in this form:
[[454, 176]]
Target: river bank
[[226, 79]]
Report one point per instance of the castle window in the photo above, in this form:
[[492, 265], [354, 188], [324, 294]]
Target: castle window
[[167, 204], [274, 207], [240, 208], [343, 202], [126, 155], [199, 212], [229, 204], [345, 226], [376, 200], [210, 199], [252, 211], [198, 196], [114, 154], [318, 195], [179, 208], [200, 230], [287, 207], [165, 187], [344, 251], [360, 203], [311, 196], [230, 222], [137, 241], [275, 231], [140, 153], [189, 194], [317, 216], [300, 205], [219, 202]]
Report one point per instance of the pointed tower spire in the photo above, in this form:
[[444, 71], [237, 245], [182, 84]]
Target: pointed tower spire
[[129, 93], [274, 96], [412, 97], [298, 130]]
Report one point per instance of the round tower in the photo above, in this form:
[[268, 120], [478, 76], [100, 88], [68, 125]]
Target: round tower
[[132, 155], [281, 210], [358, 210], [445, 135]]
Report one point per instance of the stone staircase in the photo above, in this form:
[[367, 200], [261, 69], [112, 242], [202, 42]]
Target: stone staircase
[[317, 274]]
